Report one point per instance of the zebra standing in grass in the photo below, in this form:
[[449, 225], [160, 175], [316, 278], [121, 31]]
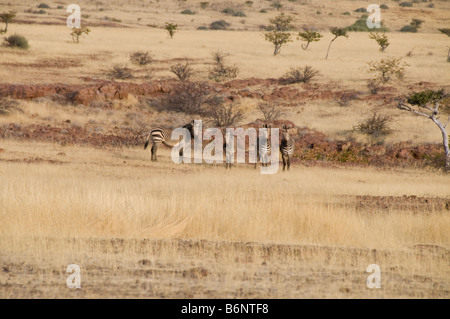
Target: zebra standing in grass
[[160, 135], [264, 147], [287, 146]]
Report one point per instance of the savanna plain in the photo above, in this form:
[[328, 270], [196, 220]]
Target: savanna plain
[[77, 186]]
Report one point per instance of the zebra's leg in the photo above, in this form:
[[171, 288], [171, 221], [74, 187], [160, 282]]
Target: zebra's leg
[[284, 162], [289, 162], [154, 157]]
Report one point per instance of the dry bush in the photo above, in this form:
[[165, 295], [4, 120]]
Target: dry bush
[[220, 71], [182, 71], [9, 106], [376, 126], [187, 97], [140, 58], [223, 113], [300, 75], [120, 72], [270, 111]]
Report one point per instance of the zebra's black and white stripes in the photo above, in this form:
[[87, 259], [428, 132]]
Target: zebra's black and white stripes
[[287, 146], [264, 146], [160, 136]]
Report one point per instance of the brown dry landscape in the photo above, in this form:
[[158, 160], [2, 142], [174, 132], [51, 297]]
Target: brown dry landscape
[[77, 186]]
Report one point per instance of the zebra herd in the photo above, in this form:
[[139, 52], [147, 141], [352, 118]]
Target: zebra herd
[[159, 135]]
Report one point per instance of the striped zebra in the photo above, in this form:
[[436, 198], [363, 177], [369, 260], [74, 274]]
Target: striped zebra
[[287, 146], [227, 140], [160, 135], [264, 147]]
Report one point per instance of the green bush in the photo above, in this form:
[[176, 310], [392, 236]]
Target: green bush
[[43, 6], [361, 26], [17, 41], [406, 4], [239, 14], [383, 6], [361, 10], [409, 28], [187, 11], [219, 25]]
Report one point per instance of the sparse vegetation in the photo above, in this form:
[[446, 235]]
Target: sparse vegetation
[[300, 75], [187, 97], [223, 113], [446, 31], [219, 25], [188, 11], [405, 4], [141, 58], [220, 71], [377, 126], [270, 111], [43, 6], [17, 41], [120, 72], [182, 71], [414, 26], [360, 25], [388, 68]]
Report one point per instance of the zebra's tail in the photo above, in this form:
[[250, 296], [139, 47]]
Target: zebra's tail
[[147, 141], [167, 144]]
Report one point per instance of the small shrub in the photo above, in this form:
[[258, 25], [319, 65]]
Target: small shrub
[[120, 72], [239, 14], [42, 11], [409, 28], [223, 114], [361, 10], [381, 39], [346, 13], [228, 11], [17, 41], [309, 36], [182, 71], [171, 28], [219, 25], [386, 69], [220, 71], [140, 58], [202, 28], [204, 5], [277, 5], [263, 11], [187, 97], [43, 6], [188, 11], [8, 107], [383, 6], [248, 3], [406, 4], [300, 75], [376, 126], [360, 25], [270, 111]]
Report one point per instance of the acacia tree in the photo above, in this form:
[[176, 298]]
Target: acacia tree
[[7, 17], [426, 103], [381, 39], [171, 28], [337, 32], [309, 36], [78, 32], [279, 31]]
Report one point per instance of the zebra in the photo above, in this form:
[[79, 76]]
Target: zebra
[[287, 146], [160, 135], [264, 148], [227, 140]]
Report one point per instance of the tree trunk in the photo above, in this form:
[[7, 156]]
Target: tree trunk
[[445, 143], [329, 47]]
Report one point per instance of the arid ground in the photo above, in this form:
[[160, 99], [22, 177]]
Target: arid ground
[[77, 186]]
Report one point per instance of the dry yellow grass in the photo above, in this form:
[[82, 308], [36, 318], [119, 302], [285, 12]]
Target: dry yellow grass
[[77, 209]]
